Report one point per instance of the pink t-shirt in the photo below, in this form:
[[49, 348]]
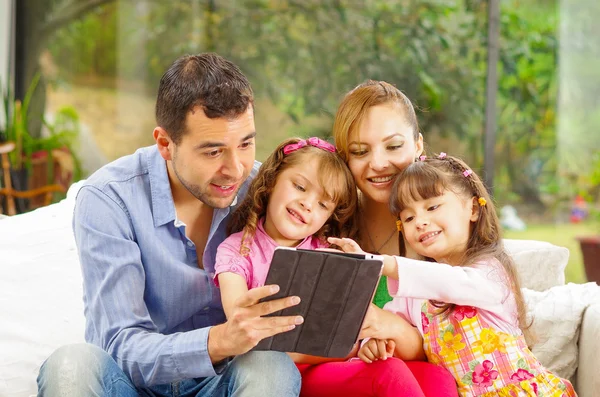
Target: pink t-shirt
[[255, 266]]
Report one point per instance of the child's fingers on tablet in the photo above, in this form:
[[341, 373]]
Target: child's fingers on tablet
[[328, 250], [346, 244]]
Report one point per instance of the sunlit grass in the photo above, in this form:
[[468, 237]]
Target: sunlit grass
[[564, 236]]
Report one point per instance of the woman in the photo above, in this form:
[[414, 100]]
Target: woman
[[377, 134]]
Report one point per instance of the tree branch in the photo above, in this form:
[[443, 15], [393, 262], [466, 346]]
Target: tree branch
[[67, 13]]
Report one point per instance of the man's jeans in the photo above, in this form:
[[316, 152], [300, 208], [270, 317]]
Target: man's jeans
[[86, 370]]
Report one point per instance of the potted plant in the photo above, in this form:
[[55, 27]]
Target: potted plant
[[590, 245], [33, 162]]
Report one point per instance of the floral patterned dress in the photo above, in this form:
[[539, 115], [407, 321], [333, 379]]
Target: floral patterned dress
[[484, 361]]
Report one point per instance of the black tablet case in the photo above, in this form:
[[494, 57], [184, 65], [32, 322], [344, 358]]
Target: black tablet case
[[336, 290]]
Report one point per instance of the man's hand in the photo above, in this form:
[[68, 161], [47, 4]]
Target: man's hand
[[246, 326], [376, 349]]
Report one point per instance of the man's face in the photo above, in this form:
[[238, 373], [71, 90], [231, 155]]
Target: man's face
[[214, 157]]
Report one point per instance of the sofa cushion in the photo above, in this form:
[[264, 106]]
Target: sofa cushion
[[540, 265], [41, 293], [557, 314]]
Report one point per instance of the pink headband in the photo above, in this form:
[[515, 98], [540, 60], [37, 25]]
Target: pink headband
[[313, 141]]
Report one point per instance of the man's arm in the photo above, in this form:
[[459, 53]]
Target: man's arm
[[247, 326], [117, 317]]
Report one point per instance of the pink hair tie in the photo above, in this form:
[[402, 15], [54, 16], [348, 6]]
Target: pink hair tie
[[467, 173], [312, 141], [422, 158], [442, 156]]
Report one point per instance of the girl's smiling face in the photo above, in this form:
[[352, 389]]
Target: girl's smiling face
[[440, 227], [298, 205], [382, 146]]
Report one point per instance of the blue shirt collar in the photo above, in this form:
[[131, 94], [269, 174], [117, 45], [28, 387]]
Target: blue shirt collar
[[163, 207]]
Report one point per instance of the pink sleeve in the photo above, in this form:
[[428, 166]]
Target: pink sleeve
[[229, 259], [482, 285]]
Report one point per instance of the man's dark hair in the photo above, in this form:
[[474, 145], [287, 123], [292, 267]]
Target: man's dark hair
[[207, 80]]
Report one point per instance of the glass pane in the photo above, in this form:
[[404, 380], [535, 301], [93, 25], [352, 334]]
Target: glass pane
[[104, 63], [301, 57]]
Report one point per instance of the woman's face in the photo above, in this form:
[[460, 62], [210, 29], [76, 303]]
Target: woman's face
[[382, 146]]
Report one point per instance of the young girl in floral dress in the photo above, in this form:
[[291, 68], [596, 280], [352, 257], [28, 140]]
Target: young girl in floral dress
[[465, 298]]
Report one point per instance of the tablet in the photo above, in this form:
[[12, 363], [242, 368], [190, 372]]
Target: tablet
[[335, 289]]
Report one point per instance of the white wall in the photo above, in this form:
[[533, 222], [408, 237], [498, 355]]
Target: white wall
[[6, 26]]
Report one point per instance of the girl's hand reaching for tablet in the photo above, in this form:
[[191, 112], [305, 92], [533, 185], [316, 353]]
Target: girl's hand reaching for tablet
[[346, 245]]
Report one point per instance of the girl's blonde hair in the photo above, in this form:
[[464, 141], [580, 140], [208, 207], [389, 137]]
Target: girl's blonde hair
[[334, 178], [356, 103], [431, 177]]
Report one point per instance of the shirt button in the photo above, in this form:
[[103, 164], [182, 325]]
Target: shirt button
[[234, 268], [190, 244]]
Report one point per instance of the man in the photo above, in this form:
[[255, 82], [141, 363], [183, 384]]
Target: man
[[147, 227]]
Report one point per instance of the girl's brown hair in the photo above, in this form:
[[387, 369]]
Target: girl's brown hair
[[334, 178], [431, 177], [357, 102]]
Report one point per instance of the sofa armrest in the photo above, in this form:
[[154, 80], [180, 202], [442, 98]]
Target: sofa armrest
[[587, 381]]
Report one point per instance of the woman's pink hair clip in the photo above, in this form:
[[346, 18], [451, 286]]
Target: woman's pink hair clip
[[312, 141], [467, 173], [442, 156], [422, 158]]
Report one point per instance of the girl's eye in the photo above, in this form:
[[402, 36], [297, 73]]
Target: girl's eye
[[433, 207], [299, 187], [358, 153], [408, 219], [323, 205]]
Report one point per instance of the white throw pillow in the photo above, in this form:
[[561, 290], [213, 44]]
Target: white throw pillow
[[557, 314], [540, 265], [41, 298]]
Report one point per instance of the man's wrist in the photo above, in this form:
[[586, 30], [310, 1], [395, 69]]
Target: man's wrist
[[216, 350]]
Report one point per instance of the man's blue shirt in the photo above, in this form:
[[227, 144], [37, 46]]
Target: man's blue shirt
[[146, 301]]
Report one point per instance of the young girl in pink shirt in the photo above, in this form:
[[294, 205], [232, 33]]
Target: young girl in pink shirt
[[465, 298], [302, 193]]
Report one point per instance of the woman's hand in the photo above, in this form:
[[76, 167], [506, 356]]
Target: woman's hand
[[346, 245], [384, 325]]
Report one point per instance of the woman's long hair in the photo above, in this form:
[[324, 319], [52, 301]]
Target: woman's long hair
[[356, 103], [334, 178]]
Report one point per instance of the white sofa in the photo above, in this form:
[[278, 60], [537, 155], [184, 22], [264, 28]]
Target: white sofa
[[41, 306]]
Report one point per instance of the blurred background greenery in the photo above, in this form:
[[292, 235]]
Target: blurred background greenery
[[104, 58]]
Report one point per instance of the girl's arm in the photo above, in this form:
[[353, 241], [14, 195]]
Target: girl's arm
[[233, 286], [484, 284]]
